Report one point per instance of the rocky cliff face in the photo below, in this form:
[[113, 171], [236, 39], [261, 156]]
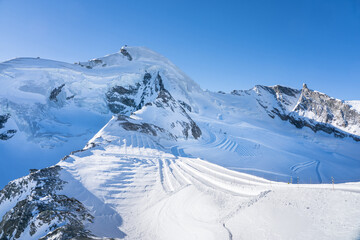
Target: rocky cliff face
[[333, 112], [5, 134], [34, 209], [308, 108], [126, 100], [150, 95]]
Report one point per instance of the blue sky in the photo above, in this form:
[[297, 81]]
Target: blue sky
[[222, 45]]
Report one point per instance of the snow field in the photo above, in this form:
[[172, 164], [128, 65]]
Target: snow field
[[162, 196]]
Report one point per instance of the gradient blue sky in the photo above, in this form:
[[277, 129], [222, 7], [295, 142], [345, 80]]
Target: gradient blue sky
[[222, 45]]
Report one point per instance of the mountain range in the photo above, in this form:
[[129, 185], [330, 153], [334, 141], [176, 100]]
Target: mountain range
[[147, 154]]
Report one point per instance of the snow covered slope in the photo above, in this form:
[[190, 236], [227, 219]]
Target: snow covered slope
[[170, 161], [49, 108], [125, 185]]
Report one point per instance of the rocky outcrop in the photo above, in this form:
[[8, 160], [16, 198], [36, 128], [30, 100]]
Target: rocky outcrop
[[40, 208], [92, 63], [120, 98], [3, 119], [276, 100], [327, 109], [126, 53], [7, 134], [185, 105], [308, 108], [320, 112], [55, 92], [150, 92], [125, 100], [131, 125], [189, 127]]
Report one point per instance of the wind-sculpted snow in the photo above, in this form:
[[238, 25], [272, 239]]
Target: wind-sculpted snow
[[135, 188]]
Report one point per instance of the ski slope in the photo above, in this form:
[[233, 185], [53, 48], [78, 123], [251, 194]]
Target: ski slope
[[158, 195]]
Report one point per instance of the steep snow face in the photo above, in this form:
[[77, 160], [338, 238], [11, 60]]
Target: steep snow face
[[35, 89], [355, 105], [49, 108]]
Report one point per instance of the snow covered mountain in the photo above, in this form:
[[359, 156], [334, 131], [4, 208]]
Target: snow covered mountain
[[308, 108], [166, 159], [50, 108]]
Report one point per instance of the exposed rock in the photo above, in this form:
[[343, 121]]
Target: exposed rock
[[3, 119], [147, 78], [119, 98], [327, 114], [55, 92], [126, 100], [327, 109], [38, 206], [307, 108], [128, 125], [87, 147], [185, 105], [71, 97], [165, 100], [126, 53], [195, 130], [7, 134]]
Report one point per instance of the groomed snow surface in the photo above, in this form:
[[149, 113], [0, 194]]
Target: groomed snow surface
[[157, 195]]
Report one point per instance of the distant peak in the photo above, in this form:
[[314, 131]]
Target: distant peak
[[305, 86]]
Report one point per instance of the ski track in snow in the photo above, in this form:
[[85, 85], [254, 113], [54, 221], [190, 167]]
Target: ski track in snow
[[167, 196]]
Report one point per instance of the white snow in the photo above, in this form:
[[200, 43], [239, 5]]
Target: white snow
[[354, 104], [247, 177], [162, 196]]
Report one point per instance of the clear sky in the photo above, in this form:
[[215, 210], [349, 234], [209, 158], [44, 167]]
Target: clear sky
[[222, 45]]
